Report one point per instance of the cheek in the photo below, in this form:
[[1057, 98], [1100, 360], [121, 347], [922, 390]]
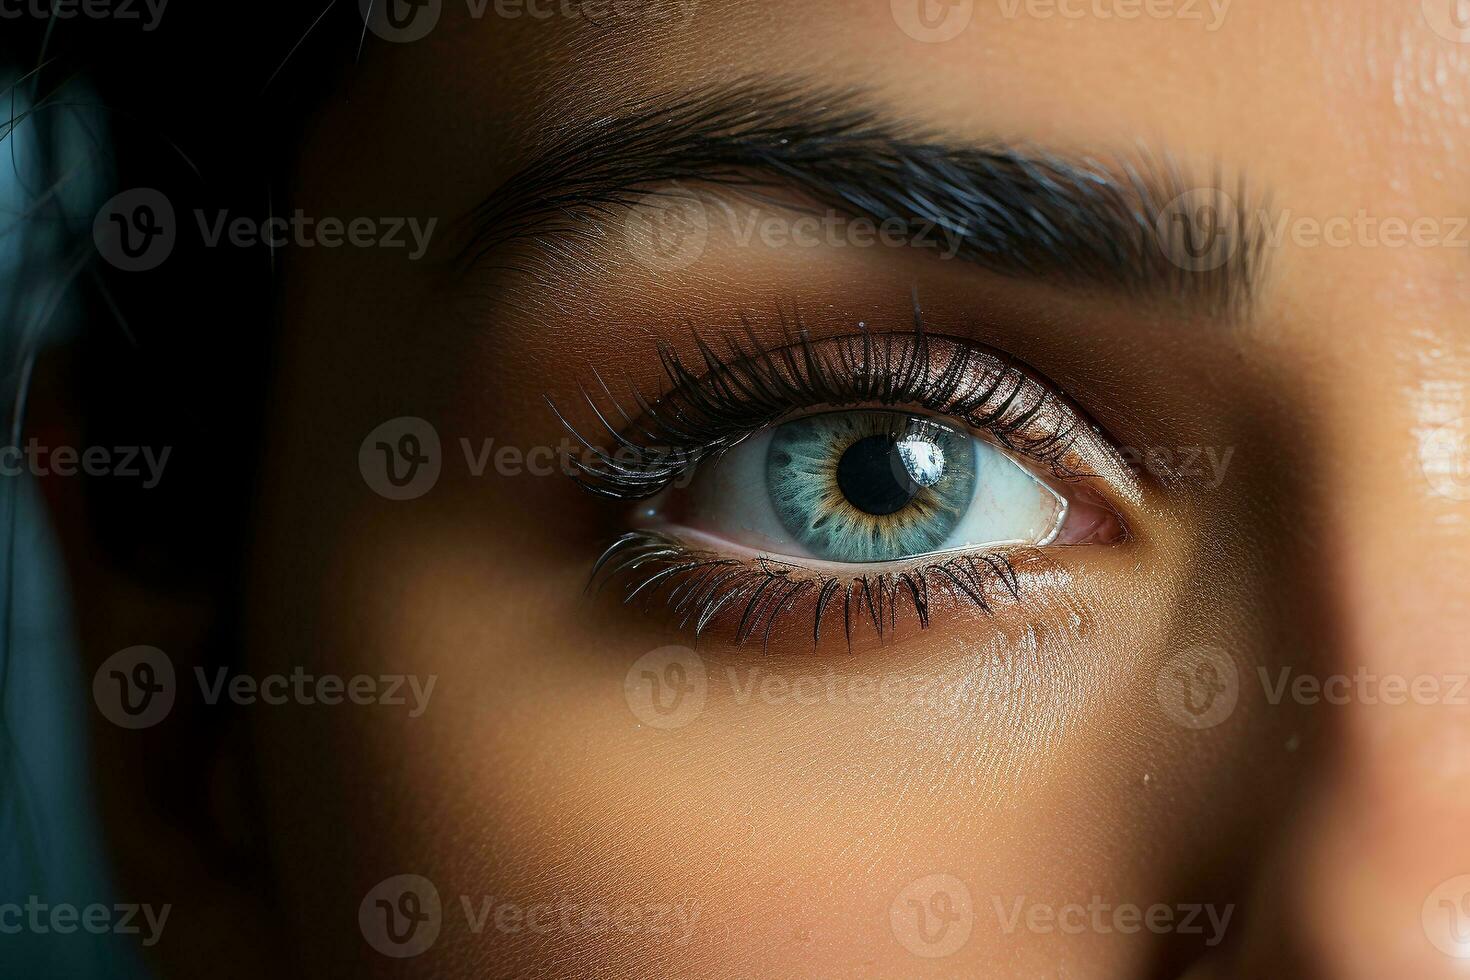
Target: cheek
[[777, 812]]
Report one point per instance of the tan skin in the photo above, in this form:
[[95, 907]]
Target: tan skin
[[794, 829]]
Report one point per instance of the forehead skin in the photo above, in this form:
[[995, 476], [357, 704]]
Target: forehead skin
[[793, 833]]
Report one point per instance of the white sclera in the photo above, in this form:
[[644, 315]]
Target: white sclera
[[728, 499]]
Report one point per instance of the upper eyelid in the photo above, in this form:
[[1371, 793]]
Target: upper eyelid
[[753, 386]]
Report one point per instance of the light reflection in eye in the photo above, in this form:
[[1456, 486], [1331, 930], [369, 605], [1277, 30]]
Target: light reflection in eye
[[861, 486]]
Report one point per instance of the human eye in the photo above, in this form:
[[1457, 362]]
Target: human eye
[[882, 473], [862, 486]]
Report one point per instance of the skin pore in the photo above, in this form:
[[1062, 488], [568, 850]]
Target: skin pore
[[782, 834]]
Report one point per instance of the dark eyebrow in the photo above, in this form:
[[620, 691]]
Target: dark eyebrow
[[1139, 227]]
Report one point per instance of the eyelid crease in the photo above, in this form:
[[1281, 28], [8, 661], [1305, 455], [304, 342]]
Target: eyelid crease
[[748, 386]]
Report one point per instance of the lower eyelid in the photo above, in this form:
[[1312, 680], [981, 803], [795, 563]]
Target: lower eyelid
[[750, 598]]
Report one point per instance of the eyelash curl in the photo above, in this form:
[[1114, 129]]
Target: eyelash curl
[[744, 387], [748, 386]]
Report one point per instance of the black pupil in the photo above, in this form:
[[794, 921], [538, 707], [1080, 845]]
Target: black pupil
[[873, 477]]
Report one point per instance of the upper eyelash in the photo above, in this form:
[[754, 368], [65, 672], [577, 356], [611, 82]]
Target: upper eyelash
[[749, 386]]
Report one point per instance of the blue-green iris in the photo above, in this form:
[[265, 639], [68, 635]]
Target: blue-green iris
[[866, 486]]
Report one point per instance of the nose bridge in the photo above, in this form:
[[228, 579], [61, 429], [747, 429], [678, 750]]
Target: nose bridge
[[1376, 865]]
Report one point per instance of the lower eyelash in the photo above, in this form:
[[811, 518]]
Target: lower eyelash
[[695, 585]]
